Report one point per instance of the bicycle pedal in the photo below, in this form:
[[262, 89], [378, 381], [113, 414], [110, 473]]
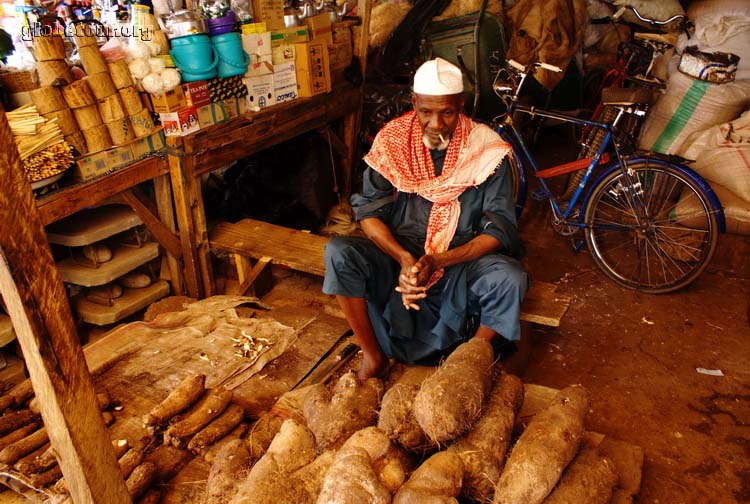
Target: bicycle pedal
[[541, 195], [578, 245]]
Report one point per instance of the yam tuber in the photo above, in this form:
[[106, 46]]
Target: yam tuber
[[21, 393], [389, 461], [351, 479], [231, 463], [289, 405], [130, 460], [545, 448], [6, 402], [449, 401], [292, 448], [589, 479], [438, 480], [484, 447], [208, 408], [396, 418], [186, 393], [46, 478], [210, 452], [351, 407], [15, 420], [217, 429], [28, 462], [140, 479], [153, 496], [17, 434], [11, 453]]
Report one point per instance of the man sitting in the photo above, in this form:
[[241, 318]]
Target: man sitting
[[437, 209]]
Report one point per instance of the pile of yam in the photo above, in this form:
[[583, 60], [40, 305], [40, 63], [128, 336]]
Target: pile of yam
[[450, 437]]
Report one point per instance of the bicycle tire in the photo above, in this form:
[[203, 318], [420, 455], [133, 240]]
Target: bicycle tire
[[592, 142], [671, 248], [517, 173]]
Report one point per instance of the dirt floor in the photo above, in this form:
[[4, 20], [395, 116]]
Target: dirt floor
[[638, 354]]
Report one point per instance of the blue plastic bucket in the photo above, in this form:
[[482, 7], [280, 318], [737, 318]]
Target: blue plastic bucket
[[224, 24], [233, 60], [194, 56]]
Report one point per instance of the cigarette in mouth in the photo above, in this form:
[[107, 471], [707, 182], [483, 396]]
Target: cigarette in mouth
[[441, 137]]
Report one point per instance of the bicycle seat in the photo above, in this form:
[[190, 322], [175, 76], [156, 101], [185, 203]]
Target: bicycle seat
[[627, 96], [669, 39]]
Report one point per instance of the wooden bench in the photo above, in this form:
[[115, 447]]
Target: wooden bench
[[301, 251]]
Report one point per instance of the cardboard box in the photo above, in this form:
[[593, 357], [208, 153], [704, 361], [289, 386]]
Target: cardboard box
[[211, 114], [342, 32], [148, 145], [257, 43], [290, 35], [259, 66], [260, 91], [180, 123], [169, 102], [283, 53], [340, 55], [313, 68], [270, 12], [119, 157], [91, 166], [196, 93], [320, 27], [254, 28], [235, 107], [229, 87], [285, 82]]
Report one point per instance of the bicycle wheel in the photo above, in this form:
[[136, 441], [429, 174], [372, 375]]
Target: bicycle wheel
[[660, 239], [517, 176]]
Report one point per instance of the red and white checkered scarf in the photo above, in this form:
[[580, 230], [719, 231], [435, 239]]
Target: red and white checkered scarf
[[399, 154]]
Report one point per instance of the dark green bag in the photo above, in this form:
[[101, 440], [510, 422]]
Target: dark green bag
[[476, 43]]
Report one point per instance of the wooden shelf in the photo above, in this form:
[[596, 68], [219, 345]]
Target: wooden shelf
[[90, 226], [130, 302], [124, 259], [6, 330]]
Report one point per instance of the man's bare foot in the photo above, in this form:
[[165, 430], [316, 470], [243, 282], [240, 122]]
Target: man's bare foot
[[373, 366]]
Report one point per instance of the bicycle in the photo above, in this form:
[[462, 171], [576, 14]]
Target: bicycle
[[631, 79], [628, 214]]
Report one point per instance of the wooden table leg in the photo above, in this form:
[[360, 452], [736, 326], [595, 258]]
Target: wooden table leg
[[164, 203], [180, 170], [202, 246], [33, 291]]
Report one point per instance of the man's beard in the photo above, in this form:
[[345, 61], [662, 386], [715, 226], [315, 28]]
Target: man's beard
[[435, 145]]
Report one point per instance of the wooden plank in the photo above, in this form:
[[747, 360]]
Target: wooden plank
[[90, 226], [36, 300], [289, 247], [164, 205], [304, 252], [183, 182], [6, 330], [130, 302], [72, 199], [124, 259], [163, 235], [248, 279], [542, 305]]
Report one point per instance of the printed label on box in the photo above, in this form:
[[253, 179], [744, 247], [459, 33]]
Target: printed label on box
[[196, 93], [119, 157], [91, 166], [260, 91], [257, 43], [285, 82], [211, 114], [180, 123], [282, 53], [170, 101], [148, 145]]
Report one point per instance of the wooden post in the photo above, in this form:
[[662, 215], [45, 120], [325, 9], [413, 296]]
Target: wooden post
[[38, 306]]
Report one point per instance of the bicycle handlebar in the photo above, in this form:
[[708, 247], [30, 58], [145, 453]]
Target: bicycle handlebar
[[617, 15], [521, 68]]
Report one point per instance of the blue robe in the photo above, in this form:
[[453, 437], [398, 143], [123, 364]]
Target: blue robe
[[488, 290]]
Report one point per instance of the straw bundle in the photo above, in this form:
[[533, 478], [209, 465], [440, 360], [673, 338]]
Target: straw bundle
[[92, 59], [101, 85], [97, 138], [47, 99], [131, 100], [49, 48], [111, 108], [65, 120], [78, 94], [120, 74], [142, 123], [32, 132], [120, 131], [53, 72], [87, 117]]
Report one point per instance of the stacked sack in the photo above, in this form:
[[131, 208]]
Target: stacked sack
[[708, 122]]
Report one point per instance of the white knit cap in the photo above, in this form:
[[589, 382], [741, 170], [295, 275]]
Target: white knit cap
[[438, 77]]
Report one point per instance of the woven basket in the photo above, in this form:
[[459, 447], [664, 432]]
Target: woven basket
[[19, 81]]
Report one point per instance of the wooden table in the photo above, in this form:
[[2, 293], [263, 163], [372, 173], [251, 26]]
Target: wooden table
[[121, 187], [212, 148]]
